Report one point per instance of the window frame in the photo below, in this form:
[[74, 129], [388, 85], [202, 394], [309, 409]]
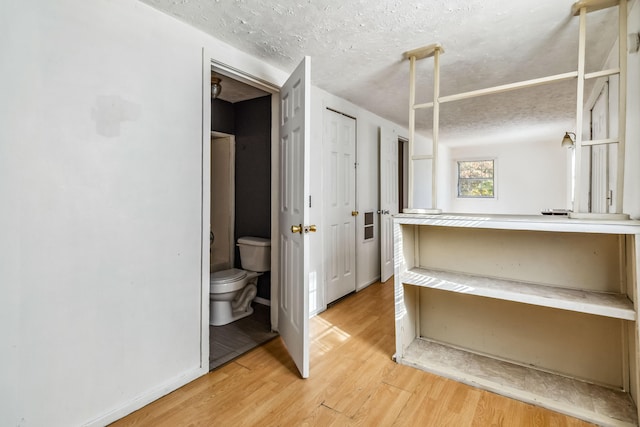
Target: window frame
[[457, 162]]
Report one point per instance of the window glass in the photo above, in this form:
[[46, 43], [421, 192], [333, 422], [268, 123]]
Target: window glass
[[476, 178]]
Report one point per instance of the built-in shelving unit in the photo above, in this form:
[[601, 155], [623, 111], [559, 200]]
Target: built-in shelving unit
[[538, 308]]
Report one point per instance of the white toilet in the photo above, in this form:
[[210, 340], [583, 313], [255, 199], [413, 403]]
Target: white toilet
[[232, 291]]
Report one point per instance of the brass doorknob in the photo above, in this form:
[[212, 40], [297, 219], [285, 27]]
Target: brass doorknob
[[354, 213], [296, 228], [312, 228]]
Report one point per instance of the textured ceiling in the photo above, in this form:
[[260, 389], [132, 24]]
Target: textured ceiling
[[356, 52]]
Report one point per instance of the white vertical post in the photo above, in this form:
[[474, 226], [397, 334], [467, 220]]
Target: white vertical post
[[579, 110], [622, 102], [412, 126], [436, 128]]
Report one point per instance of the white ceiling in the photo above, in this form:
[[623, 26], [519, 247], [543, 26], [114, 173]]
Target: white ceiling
[[356, 52]]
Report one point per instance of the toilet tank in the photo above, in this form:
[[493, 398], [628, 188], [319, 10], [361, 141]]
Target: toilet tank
[[255, 253]]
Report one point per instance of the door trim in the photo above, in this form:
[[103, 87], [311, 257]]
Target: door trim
[[209, 64]]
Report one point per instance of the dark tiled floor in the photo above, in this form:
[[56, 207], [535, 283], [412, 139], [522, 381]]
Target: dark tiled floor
[[230, 341]]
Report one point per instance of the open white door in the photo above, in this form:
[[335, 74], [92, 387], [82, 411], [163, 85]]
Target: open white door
[[388, 198], [293, 300]]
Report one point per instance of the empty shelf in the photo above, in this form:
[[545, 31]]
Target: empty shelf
[[599, 303], [597, 404]]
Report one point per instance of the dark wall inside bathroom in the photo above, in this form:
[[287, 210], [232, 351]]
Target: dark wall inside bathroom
[[250, 122], [253, 175], [222, 116]]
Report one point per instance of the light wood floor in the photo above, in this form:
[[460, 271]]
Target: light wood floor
[[353, 381]]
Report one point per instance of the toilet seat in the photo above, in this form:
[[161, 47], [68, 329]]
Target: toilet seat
[[227, 280], [226, 276]]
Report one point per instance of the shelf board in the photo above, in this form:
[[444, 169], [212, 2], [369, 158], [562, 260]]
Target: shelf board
[[592, 5], [598, 303], [593, 403], [424, 52], [553, 223]]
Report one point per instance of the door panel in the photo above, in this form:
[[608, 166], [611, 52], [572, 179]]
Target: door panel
[[389, 203], [293, 301], [340, 237]]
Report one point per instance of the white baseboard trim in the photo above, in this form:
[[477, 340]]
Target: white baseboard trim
[[262, 301], [364, 285], [147, 397]]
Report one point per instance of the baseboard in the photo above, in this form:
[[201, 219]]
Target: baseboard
[[262, 301], [362, 286], [147, 397]]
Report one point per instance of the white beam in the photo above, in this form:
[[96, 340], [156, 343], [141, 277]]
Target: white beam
[[622, 102], [510, 86], [412, 125], [579, 113]]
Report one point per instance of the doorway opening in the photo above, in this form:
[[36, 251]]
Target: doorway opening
[[240, 206], [287, 190], [392, 172]]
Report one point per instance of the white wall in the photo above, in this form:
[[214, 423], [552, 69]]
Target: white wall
[[445, 179], [423, 174], [100, 187], [530, 175]]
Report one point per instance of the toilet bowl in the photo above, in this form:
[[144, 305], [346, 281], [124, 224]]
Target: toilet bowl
[[232, 291], [230, 294]]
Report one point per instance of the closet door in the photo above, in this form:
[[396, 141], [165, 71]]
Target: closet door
[[339, 204]]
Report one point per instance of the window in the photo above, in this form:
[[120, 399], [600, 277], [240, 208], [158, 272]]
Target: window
[[476, 178]]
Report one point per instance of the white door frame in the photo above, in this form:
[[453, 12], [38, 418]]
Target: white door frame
[[209, 63], [293, 325]]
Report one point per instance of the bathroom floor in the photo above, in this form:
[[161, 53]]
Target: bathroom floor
[[230, 341]]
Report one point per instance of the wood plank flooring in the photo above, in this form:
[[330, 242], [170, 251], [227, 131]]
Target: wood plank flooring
[[353, 382]]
